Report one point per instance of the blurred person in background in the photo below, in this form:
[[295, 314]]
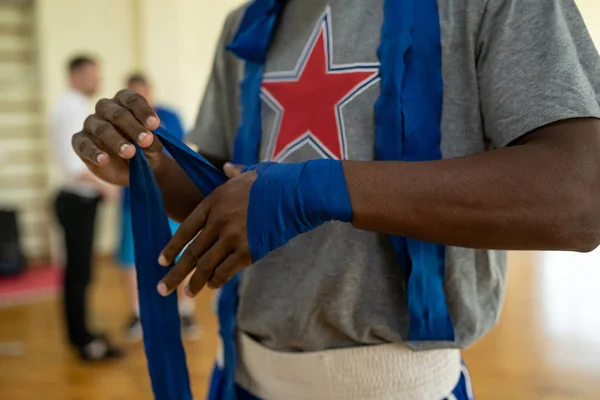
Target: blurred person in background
[[126, 258], [78, 198]]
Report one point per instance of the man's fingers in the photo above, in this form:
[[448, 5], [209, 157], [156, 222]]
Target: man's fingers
[[205, 268], [125, 121], [174, 277], [185, 233], [188, 261], [139, 106], [232, 170], [226, 270], [87, 150], [107, 136]]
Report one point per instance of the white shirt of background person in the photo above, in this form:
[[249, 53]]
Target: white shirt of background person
[[66, 119]]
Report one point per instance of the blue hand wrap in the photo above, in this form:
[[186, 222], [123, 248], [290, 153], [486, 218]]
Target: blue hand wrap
[[151, 232], [290, 199]]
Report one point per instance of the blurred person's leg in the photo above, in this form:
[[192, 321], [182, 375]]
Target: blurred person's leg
[[133, 326], [190, 328], [126, 261], [77, 215]]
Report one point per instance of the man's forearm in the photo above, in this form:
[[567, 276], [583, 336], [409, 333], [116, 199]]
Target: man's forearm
[[543, 193], [179, 193]]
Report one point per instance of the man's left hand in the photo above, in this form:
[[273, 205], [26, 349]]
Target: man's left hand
[[219, 248]]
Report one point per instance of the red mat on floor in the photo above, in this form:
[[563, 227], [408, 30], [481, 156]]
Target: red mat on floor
[[33, 285]]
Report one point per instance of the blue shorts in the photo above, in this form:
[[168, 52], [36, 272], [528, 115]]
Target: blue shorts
[[126, 255]]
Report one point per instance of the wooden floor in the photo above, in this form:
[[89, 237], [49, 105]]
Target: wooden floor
[[547, 345]]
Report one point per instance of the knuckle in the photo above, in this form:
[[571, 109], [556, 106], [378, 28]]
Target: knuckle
[[202, 272], [123, 93], [130, 99], [102, 105], [81, 144], [231, 235], [118, 114], [219, 278], [190, 255], [88, 124], [76, 141], [103, 128]]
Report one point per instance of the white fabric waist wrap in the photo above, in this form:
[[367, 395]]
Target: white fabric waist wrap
[[387, 371]]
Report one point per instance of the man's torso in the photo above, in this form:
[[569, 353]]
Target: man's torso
[[337, 286]]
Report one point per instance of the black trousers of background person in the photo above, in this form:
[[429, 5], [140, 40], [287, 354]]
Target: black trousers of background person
[[77, 216]]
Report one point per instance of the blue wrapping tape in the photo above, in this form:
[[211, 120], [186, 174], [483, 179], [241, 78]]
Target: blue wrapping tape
[[151, 232]]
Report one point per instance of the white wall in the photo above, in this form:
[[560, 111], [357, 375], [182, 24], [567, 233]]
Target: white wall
[[102, 28], [590, 9], [178, 56]]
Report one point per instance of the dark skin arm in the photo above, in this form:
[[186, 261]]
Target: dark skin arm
[[541, 193]]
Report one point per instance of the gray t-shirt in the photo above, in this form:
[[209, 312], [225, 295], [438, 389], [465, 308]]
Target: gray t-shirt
[[509, 67]]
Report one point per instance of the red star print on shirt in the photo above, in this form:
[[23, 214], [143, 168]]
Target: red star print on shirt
[[309, 99]]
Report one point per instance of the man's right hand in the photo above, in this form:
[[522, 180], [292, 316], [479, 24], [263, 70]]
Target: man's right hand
[[105, 143]]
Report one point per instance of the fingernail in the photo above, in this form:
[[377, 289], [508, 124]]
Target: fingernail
[[124, 148], [142, 136], [227, 165], [187, 292], [151, 121], [162, 289], [102, 158], [162, 260]]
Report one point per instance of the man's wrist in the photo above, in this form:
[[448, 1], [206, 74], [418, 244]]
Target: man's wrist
[[156, 160], [287, 200]]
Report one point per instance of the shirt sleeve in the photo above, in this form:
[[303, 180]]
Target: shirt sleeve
[[218, 116], [536, 64]]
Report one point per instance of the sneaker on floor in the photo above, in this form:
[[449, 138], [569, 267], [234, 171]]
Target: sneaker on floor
[[133, 329], [99, 349], [190, 329]]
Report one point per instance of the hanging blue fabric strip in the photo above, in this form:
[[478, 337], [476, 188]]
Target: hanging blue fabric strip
[[408, 128], [423, 88], [151, 231], [159, 315]]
